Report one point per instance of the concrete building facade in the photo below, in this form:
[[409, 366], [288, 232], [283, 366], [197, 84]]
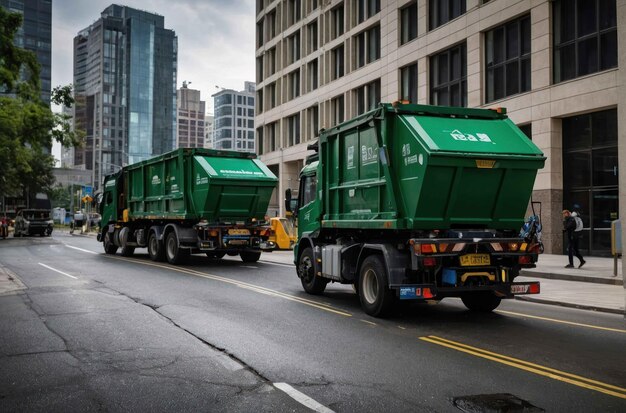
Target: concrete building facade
[[190, 124], [552, 64], [125, 67], [233, 126]]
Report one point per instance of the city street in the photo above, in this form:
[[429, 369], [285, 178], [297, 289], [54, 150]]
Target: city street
[[95, 332]]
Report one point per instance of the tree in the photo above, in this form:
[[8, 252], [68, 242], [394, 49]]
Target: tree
[[27, 124]]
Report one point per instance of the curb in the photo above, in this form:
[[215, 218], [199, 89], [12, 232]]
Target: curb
[[568, 277], [571, 305]]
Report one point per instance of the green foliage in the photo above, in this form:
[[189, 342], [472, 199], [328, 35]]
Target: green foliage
[[60, 197], [27, 125]]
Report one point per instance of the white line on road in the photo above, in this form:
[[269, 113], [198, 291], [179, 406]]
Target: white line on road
[[302, 398], [60, 272], [80, 249]]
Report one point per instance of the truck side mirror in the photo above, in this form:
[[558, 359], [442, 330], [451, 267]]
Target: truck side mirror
[[288, 200]]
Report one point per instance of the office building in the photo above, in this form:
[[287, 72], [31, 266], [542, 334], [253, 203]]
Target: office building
[[233, 127], [125, 88], [552, 64], [190, 124], [208, 131], [35, 35]]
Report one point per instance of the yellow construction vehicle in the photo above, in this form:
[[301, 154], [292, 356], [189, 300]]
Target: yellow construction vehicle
[[283, 233]]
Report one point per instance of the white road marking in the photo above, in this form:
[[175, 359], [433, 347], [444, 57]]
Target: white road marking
[[60, 272], [280, 264], [302, 398], [249, 266], [80, 249]]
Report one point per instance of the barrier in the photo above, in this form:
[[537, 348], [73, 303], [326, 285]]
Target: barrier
[[616, 243]]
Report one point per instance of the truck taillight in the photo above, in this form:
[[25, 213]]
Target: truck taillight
[[430, 262], [534, 289], [525, 259], [426, 293]]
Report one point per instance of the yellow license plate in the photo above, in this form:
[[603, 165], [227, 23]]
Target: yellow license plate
[[472, 260], [238, 232]]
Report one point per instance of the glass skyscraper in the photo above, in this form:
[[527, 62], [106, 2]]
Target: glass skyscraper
[[35, 35], [125, 85]]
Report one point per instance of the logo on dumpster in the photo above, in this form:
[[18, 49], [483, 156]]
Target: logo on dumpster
[[457, 135]]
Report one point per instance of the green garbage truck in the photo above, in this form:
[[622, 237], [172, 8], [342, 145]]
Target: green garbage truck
[[188, 201], [415, 202]]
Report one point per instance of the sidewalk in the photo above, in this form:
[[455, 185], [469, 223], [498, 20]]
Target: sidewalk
[[592, 287]]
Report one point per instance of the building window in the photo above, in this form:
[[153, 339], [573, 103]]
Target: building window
[[507, 50], [293, 43], [337, 106], [590, 149], [312, 69], [442, 11], [527, 129], [271, 61], [367, 97], [337, 21], [448, 77], [368, 46], [313, 115], [408, 23], [408, 83], [270, 22], [366, 9], [294, 84], [585, 37], [338, 62], [259, 33], [312, 37], [259, 100], [271, 136], [295, 11], [293, 130], [271, 95], [259, 69]]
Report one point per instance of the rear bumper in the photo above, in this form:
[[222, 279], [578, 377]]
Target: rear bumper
[[431, 291]]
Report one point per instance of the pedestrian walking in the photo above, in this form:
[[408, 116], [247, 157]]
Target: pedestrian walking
[[573, 236]]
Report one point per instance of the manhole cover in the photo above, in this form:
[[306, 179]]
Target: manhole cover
[[494, 403]]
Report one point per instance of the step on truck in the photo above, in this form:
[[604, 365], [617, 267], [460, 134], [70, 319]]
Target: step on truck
[[188, 201], [413, 202]]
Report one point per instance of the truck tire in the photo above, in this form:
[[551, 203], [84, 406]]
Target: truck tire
[[481, 301], [311, 283], [250, 256], [155, 248], [215, 255], [109, 247], [173, 252], [377, 299], [127, 251]]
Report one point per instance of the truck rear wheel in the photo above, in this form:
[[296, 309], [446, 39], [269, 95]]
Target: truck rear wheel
[[127, 251], [482, 301], [109, 247], [376, 297], [311, 283], [155, 248], [173, 252], [250, 256]]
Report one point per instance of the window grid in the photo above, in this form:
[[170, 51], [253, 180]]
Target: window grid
[[448, 77], [507, 59]]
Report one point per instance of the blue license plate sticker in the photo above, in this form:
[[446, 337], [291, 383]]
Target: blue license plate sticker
[[408, 293]]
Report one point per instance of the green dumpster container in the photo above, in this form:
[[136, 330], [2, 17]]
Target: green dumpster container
[[200, 184], [424, 167]]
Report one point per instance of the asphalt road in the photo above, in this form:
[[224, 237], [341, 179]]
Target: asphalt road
[[98, 332]]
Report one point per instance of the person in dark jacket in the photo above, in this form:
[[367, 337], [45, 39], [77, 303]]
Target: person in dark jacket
[[569, 226]]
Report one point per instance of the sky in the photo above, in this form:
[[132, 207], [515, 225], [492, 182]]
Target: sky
[[215, 39]]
